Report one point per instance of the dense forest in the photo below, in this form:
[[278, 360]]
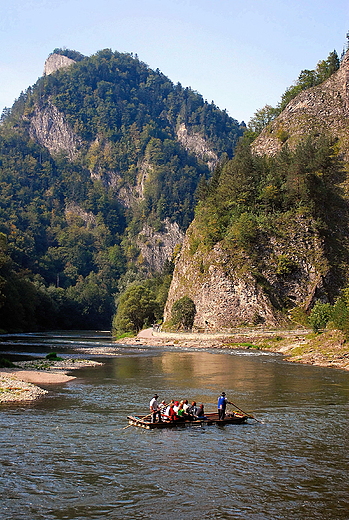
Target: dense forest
[[70, 222], [71, 219]]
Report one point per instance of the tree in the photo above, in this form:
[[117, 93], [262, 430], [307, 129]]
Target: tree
[[183, 313], [136, 308], [262, 118], [320, 315]]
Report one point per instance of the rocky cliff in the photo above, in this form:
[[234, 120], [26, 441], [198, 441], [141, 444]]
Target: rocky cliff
[[292, 263], [55, 62], [49, 127], [196, 144], [229, 290], [324, 108]]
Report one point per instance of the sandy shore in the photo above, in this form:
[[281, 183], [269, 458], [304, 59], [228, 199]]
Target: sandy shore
[[17, 384], [329, 349]]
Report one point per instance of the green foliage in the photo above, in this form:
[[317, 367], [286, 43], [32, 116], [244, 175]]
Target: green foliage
[[340, 314], [243, 230], [52, 356], [137, 307], [183, 313], [67, 244], [6, 363], [250, 187], [285, 265], [262, 118], [320, 315]]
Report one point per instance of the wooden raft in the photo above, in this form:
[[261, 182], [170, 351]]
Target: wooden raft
[[210, 418]]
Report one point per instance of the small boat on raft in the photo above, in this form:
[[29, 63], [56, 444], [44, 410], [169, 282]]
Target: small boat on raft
[[144, 421]]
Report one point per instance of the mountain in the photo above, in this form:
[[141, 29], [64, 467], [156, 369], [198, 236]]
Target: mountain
[[270, 235], [100, 162]]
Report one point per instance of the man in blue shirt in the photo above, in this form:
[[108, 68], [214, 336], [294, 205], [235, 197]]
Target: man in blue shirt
[[222, 404]]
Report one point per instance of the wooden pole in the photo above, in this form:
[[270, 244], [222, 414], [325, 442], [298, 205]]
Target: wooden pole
[[248, 415]]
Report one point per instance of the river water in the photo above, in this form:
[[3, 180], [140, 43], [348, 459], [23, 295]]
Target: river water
[[69, 455]]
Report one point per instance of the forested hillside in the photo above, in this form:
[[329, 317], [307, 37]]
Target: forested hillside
[[270, 238], [100, 162]]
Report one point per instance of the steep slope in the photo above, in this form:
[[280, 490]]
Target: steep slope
[[100, 162], [321, 109], [270, 236]]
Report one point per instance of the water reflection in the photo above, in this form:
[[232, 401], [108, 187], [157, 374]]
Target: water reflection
[[68, 456]]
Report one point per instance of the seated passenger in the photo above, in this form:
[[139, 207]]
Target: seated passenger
[[201, 413], [181, 413], [185, 405], [167, 409], [172, 416], [193, 410]]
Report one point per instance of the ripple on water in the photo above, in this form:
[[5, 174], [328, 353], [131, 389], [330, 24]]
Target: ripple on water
[[68, 457]]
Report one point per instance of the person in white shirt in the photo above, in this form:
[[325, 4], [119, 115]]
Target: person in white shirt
[[155, 409]]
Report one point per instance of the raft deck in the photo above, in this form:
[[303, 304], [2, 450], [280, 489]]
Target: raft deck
[[210, 418]]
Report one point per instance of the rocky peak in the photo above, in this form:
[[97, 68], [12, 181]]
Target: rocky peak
[[323, 108], [55, 62]]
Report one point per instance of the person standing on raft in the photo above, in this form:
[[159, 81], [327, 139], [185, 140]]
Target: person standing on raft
[[222, 404], [155, 409]]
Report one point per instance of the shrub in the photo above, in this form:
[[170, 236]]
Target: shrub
[[6, 363], [320, 315], [52, 356], [340, 315], [285, 265]]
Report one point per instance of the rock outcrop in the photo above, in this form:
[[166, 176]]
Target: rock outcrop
[[324, 108], [196, 144], [49, 128], [157, 246], [222, 299], [229, 292], [55, 62]]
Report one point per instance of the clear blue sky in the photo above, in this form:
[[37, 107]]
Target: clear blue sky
[[242, 54]]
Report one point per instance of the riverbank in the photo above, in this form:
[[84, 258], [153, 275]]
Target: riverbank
[[329, 349], [22, 382]]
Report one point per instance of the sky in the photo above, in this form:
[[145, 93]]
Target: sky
[[241, 54]]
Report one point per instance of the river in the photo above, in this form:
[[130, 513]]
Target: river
[[69, 455]]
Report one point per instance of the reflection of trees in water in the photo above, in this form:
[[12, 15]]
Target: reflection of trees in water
[[245, 373], [202, 376]]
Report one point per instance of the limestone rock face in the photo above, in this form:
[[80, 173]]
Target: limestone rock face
[[49, 128], [228, 292], [195, 143], [324, 108], [222, 300], [158, 246], [73, 210], [55, 62]]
